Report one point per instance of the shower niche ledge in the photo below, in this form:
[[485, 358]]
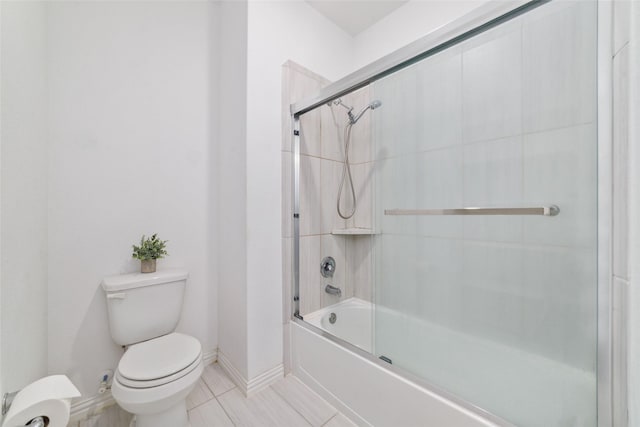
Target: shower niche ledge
[[353, 231]]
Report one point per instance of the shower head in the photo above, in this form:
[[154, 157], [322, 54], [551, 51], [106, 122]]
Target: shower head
[[373, 105]]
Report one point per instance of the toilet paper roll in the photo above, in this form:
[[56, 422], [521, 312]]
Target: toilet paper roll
[[48, 397]]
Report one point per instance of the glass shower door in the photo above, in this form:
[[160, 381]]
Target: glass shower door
[[498, 307]]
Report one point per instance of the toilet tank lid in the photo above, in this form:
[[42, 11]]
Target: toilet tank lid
[[139, 280]]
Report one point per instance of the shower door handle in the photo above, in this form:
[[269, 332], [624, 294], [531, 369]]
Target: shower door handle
[[551, 210]]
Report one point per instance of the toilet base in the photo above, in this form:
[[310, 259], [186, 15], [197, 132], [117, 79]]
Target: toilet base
[[176, 416]]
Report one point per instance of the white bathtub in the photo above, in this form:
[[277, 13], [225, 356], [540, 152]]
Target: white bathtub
[[510, 382], [353, 321]]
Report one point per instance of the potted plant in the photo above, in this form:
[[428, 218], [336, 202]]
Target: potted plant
[[149, 251]]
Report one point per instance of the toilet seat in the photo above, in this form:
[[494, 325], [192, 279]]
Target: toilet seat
[[159, 361]]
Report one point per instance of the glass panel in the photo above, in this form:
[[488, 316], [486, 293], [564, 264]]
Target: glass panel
[[499, 310], [340, 301]]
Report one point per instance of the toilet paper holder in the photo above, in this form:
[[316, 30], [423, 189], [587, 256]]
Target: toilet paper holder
[[7, 400], [39, 422]]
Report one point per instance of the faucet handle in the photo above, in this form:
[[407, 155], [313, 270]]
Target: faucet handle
[[327, 266]]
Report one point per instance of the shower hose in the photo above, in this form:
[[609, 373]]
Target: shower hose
[[346, 172]]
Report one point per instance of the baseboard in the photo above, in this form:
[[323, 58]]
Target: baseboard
[[233, 373], [265, 379], [86, 408], [210, 357], [249, 387]]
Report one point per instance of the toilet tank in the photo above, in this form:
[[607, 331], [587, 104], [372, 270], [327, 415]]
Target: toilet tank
[[143, 306]]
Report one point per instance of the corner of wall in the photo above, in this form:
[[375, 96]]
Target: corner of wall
[[232, 186], [255, 384]]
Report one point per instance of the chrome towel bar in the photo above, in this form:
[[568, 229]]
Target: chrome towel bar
[[552, 210]]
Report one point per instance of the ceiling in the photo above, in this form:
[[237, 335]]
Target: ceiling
[[354, 16]]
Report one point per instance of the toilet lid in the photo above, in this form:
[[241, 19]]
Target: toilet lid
[[160, 357]]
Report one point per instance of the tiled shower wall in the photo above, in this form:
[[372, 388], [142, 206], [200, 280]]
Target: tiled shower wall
[[321, 162]]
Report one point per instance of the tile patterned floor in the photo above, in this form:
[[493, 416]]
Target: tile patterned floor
[[217, 402]]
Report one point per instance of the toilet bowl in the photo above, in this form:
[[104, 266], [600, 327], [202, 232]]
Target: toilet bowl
[[155, 377], [160, 367]]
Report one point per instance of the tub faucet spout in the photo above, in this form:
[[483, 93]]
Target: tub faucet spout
[[332, 290]]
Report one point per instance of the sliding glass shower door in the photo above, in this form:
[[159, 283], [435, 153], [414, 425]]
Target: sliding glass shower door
[[497, 306]]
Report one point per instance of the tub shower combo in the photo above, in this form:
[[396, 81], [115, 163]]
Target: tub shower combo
[[459, 265]]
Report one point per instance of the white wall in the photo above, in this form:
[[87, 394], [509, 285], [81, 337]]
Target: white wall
[[132, 131], [277, 31], [132, 91], [414, 20], [24, 201]]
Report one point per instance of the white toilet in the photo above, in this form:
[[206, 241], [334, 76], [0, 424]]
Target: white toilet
[[160, 367]]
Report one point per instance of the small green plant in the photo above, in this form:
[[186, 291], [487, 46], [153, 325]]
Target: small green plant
[[151, 248]]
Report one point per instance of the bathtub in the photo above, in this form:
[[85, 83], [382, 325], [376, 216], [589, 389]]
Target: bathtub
[[353, 321], [331, 357]]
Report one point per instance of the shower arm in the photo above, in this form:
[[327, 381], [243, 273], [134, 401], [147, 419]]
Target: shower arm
[[353, 119]]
